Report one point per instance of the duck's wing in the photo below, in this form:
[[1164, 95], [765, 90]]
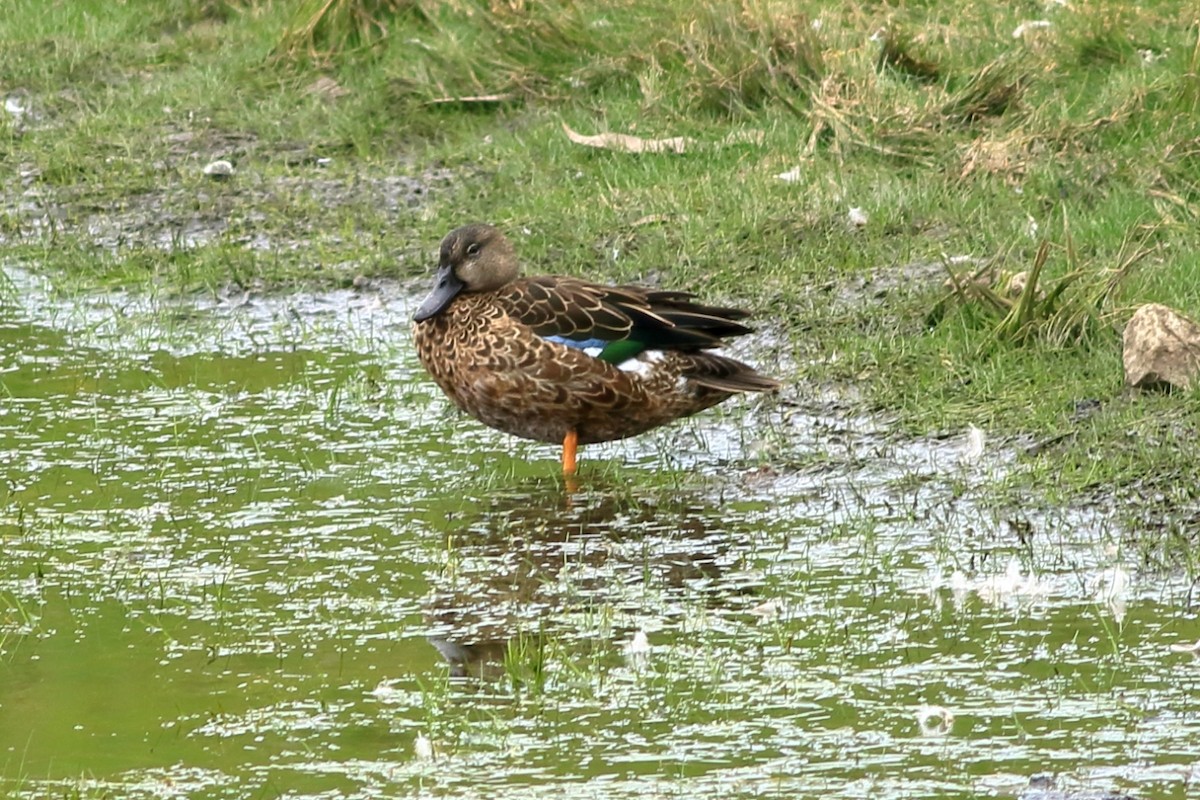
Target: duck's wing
[[620, 321]]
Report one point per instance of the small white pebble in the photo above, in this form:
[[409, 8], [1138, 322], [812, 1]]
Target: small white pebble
[[973, 447], [637, 650], [934, 720], [423, 748], [768, 609], [791, 176], [218, 170], [385, 690], [15, 106], [857, 217]]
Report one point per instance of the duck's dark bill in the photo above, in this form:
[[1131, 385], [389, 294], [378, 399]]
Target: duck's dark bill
[[446, 289]]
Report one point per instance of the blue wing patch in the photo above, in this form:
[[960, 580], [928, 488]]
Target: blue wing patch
[[576, 343], [613, 352]]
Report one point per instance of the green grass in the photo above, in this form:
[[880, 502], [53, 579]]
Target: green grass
[[953, 136]]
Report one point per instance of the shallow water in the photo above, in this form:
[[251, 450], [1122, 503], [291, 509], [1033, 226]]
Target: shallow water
[[246, 550]]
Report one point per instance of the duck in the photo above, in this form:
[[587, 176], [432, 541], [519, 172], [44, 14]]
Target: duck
[[560, 359]]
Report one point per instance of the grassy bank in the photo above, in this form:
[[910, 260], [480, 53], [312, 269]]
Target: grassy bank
[[967, 136]]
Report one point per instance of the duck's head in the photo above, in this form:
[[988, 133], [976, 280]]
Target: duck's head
[[473, 258]]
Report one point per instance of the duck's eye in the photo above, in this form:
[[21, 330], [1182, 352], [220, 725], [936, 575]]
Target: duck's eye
[[472, 249]]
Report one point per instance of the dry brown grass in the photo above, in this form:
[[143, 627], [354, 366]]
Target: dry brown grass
[[899, 52], [1027, 306], [990, 92], [739, 58], [328, 28]]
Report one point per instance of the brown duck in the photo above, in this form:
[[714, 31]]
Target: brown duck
[[559, 359]]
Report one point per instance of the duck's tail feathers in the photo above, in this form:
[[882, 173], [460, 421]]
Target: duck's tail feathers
[[728, 375]]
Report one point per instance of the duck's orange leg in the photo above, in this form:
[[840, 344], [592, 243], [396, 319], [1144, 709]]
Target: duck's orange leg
[[570, 447]]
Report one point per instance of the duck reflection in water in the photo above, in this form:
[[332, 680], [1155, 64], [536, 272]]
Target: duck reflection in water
[[523, 572]]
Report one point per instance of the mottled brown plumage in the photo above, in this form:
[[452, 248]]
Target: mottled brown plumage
[[494, 343]]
